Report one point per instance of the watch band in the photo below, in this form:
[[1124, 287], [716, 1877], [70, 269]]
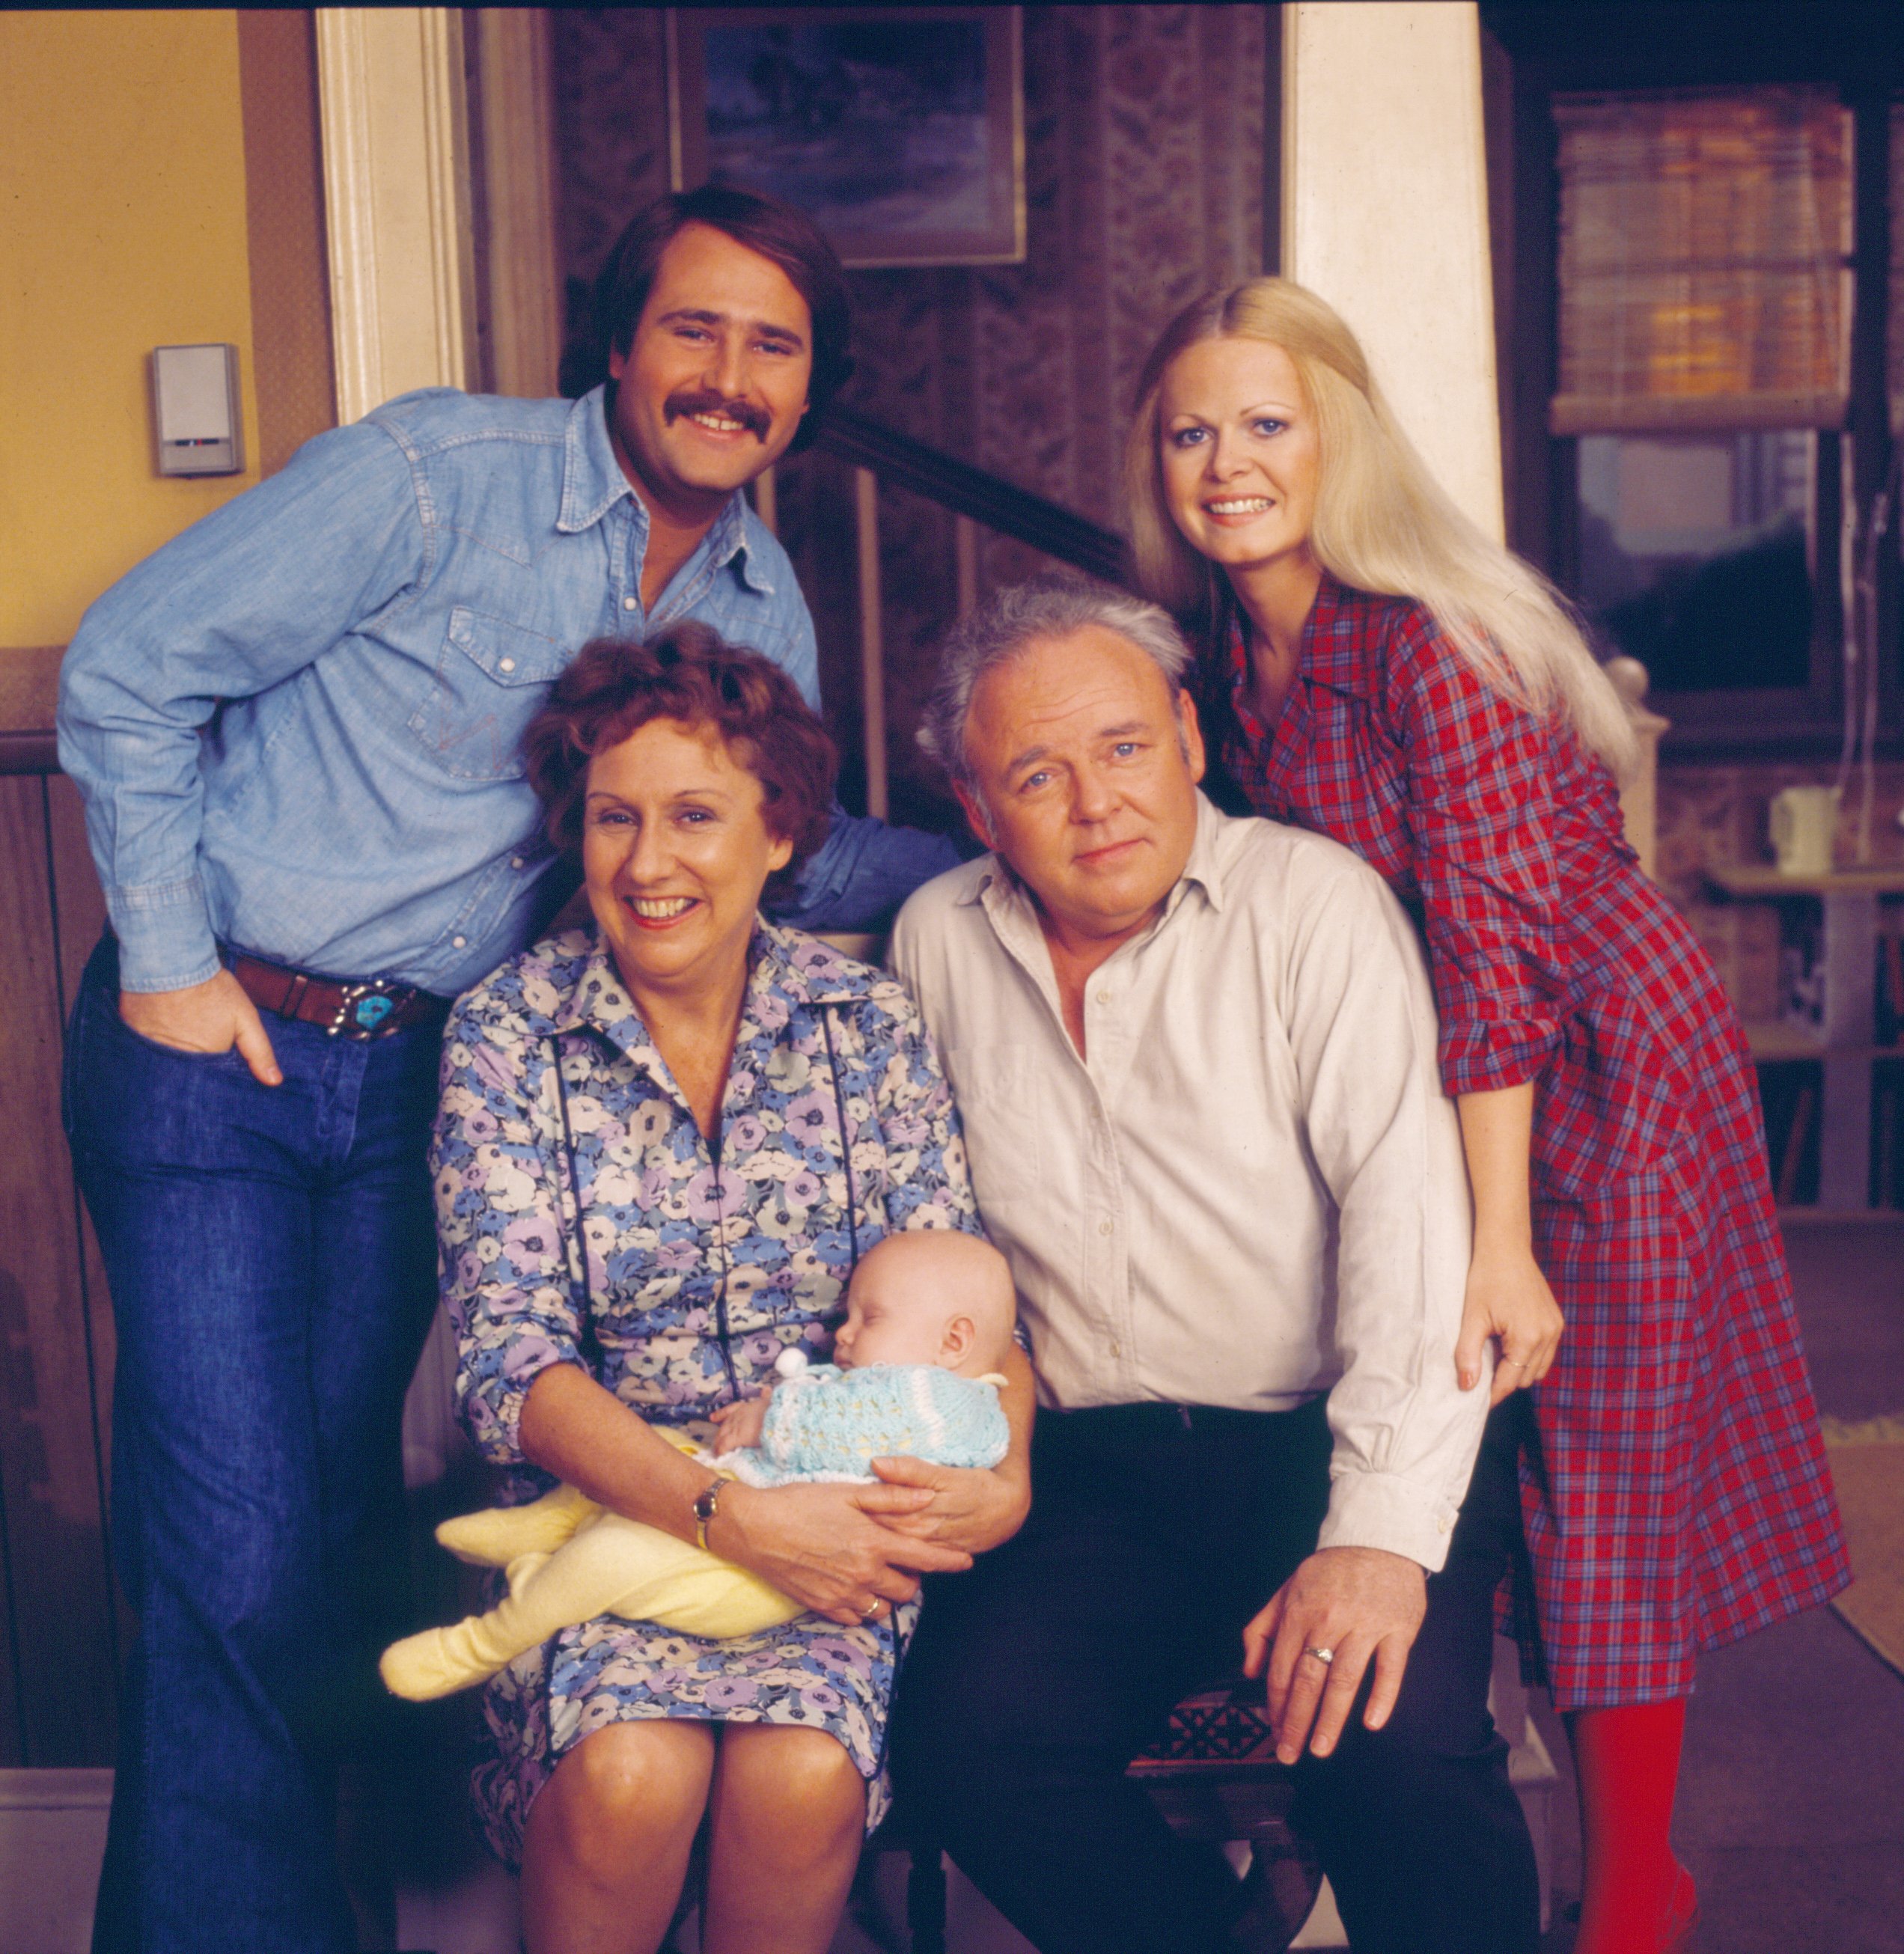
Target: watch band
[[706, 1502]]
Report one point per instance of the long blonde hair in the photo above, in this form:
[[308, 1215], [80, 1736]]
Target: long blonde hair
[[1382, 522]]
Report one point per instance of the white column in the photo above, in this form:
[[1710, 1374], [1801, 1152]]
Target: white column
[[394, 115], [1385, 215], [396, 204]]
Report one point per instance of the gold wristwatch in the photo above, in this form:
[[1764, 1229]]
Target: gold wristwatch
[[706, 1504]]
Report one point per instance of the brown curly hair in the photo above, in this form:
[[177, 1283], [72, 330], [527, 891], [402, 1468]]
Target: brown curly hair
[[688, 673]]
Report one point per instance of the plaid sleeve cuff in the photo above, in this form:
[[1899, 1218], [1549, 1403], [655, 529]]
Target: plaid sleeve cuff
[[1484, 1056]]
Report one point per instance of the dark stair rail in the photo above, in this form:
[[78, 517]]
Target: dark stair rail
[[877, 453], [987, 498]]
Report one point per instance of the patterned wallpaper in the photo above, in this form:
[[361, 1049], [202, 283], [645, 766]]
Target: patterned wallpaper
[[1143, 130]]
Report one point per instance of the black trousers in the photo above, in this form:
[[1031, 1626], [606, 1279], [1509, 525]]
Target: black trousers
[[1155, 1534]]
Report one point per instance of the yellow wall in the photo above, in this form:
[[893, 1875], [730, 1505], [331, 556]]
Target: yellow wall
[[122, 228]]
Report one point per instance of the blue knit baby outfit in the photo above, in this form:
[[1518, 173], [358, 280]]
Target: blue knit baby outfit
[[825, 1423]]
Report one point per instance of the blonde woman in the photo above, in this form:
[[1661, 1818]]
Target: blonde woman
[[1376, 669]]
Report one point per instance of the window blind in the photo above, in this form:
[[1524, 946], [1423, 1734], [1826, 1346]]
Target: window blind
[[1704, 260]]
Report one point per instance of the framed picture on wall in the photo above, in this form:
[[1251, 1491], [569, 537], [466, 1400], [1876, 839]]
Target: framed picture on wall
[[899, 131]]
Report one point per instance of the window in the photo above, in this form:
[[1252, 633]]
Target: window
[[1705, 303], [1698, 212], [1697, 553]]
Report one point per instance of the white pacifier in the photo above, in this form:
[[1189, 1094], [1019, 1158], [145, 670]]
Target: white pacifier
[[790, 1363]]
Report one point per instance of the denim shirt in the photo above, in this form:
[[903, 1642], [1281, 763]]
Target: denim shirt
[[298, 726]]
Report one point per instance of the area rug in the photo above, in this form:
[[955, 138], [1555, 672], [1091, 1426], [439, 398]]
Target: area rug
[[1867, 1466]]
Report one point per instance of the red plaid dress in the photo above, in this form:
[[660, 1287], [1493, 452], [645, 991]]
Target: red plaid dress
[[1679, 1497]]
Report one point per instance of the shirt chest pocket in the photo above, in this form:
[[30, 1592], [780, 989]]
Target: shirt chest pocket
[[1003, 1108], [491, 678]]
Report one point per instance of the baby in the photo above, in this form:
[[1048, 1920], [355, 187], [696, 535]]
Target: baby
[[928, 1324]]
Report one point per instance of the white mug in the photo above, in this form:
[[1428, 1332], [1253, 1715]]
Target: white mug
[[1804, 824]]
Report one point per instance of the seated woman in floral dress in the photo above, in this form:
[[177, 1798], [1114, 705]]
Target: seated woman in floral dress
[[664, 1143]]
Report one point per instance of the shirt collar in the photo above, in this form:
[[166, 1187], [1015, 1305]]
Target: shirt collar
[[1004, 894], [599, 1000], [1204, 870], [1334, 652], [593, 482], [786, 970], [739, 537]]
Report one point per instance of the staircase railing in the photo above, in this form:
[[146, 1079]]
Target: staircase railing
[[976, 499], [974, 494]]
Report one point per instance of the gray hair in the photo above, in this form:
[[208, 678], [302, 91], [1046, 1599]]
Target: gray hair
[[1052, 605]]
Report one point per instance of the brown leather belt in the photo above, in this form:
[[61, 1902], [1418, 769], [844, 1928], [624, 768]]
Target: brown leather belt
[[370, 1011]]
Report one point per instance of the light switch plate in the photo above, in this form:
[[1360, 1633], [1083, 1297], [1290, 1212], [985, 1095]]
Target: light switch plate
[[197, 416]]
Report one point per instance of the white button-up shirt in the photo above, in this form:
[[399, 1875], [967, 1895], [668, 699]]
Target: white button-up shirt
[[1250, 1189]]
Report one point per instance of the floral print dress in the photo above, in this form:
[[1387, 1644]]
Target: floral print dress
[[702, 1263]]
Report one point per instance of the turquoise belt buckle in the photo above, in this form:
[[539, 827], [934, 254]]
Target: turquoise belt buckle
[[364, 1011]]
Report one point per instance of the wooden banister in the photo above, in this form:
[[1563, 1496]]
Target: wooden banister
[[872, 642], [986, 498], [879, 454]]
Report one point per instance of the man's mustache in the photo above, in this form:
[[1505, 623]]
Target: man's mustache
[[756, 420]]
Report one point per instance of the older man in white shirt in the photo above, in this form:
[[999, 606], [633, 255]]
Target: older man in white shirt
[[1196, 1059]]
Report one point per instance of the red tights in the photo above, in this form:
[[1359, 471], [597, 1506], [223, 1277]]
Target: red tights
[[1637, 1898]]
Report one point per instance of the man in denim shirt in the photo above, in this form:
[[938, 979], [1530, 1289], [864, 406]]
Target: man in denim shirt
[[296, 730]]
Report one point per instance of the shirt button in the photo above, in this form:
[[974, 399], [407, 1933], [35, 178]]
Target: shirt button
[[1104, 997], [1116, 1349], [1106, 1227], [515, 861], [459, 942], [630, 604], [505, 664]]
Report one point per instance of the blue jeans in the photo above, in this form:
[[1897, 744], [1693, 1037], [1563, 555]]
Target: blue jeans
[[270, 1257]]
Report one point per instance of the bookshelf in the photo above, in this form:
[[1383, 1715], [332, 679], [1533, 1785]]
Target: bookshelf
[[1842, 1009]]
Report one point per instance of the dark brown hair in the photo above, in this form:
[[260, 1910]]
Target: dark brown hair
[[691, 674], [777, 230]]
